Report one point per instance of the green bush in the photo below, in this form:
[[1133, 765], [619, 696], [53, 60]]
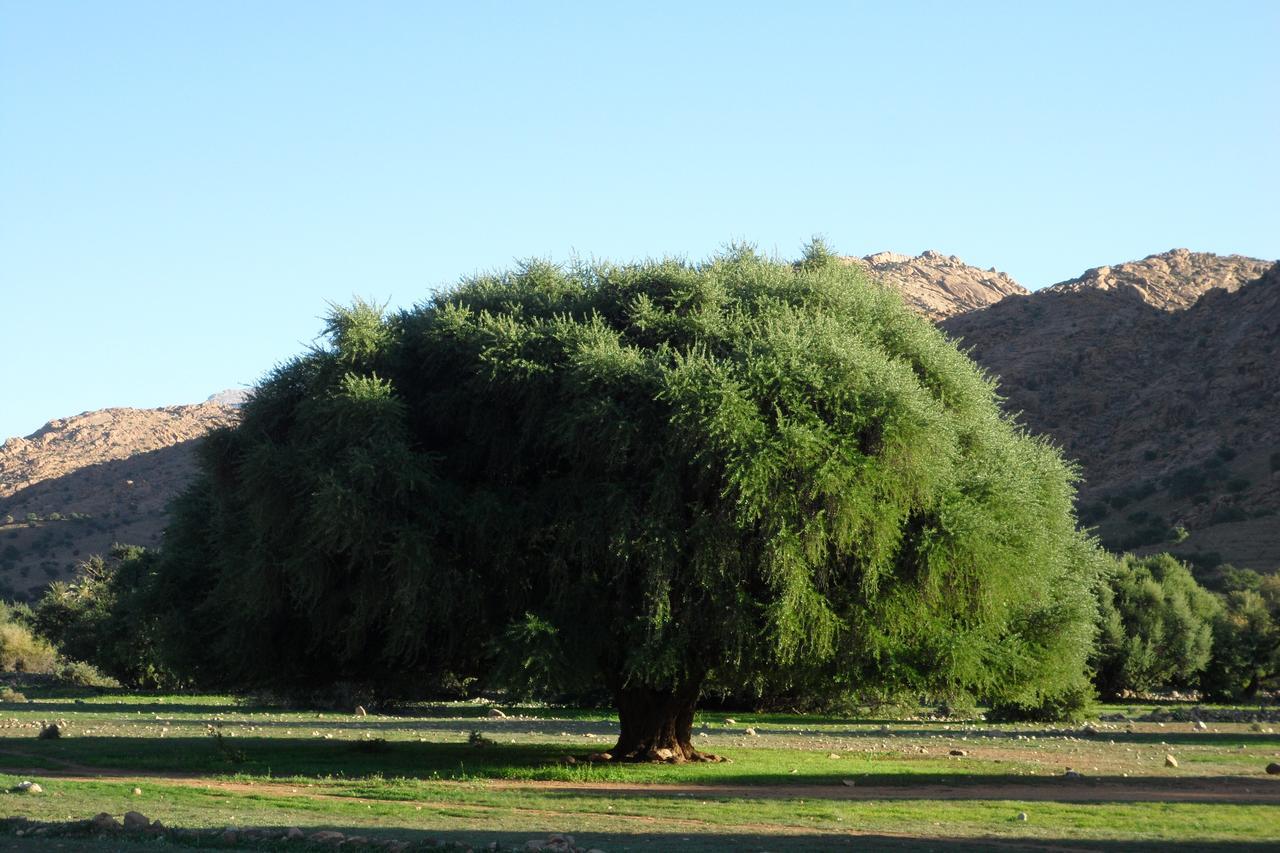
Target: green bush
[[81, 674], [99, 618], [1186, 482], [1070, 704], [22, 651], [1225, 514], [1156, 628], [1246, 638]]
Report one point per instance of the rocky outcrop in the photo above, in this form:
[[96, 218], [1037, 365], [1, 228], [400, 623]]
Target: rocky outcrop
[[1171, 281], [79, 484], [937, 285]]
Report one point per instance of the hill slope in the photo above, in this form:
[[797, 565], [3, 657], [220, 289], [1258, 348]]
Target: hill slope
[[1159, 378], [81, 483], [938, 285]]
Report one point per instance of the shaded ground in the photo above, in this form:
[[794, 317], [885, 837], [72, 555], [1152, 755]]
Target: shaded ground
[[798, 783]]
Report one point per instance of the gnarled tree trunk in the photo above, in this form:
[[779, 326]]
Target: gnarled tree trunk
[[657, 725]]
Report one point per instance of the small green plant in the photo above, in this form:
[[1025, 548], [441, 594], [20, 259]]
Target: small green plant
[[81, 674], [225, 749], [22, 651], [8, 694]]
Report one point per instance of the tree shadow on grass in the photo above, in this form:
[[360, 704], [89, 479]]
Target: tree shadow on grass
[[686, 842], [377, 759]]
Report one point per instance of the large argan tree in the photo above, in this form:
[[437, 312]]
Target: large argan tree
[[639, 476]]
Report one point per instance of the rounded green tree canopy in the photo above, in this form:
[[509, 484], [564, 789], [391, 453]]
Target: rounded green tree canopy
[[640, 476]]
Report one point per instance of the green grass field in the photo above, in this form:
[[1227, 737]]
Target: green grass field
[[799, 783]]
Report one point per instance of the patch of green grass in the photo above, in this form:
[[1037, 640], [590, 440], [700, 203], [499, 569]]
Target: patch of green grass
[[413, 775]]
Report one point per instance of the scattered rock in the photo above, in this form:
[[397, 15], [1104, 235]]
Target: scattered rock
[[104, 822], [326, 836], [848, 783], [361, 712], [137, 792], [959, 753], [497, 714], [1073, 774], [1091, 730], [294, 834], [1200, 726], [834, 755], [730, 721], [136, 821], [27, 788], [600, 756], [1170, 761], [1273, 769], [751, 732], [1022, 816]]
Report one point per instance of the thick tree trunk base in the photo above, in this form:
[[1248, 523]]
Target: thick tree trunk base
[[656, 726]]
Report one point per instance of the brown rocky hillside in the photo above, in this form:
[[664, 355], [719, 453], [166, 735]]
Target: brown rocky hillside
[[1160, 377], [937, 285], [1170, 281], [79, 484]]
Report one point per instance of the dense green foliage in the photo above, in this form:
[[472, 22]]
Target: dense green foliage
[[637, 476], [1246, 637], [104, 617], [1156, 626]]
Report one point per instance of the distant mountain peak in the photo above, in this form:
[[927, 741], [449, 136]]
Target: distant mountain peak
[[1171, 281], [937, 285], [229, 397]]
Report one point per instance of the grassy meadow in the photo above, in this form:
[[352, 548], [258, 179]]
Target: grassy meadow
[[454, 774]]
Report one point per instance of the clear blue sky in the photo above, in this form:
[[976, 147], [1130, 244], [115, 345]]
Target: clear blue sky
[[184, 185]]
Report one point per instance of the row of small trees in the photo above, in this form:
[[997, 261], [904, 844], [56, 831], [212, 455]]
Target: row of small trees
[[1159, 629]]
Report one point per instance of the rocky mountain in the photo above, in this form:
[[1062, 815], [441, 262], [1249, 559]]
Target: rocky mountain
[[78, 484], [937, 285], [229, 397], [1159, 377], [1170, 281]]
